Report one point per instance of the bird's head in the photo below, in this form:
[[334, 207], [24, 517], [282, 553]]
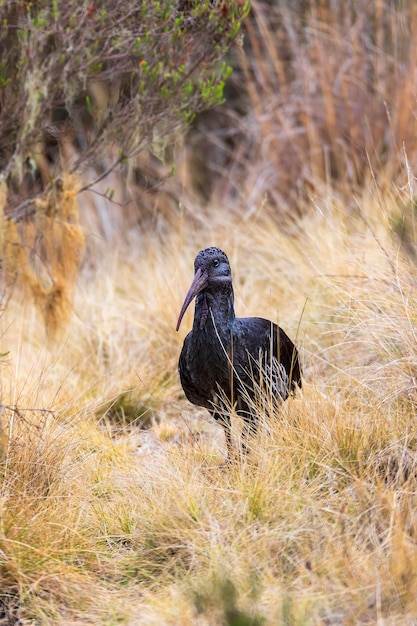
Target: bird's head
[[212, 273]]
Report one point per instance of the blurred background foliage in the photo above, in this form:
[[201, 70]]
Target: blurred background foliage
[[95, 83], [96, 98], [323, 93]]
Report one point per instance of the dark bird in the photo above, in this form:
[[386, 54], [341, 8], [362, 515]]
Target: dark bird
[[226, 360]]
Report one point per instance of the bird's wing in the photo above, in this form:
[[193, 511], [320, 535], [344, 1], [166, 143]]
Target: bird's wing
[[264, 354], [288, 356]]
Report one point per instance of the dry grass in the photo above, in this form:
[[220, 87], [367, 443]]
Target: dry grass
[[103, 522], [322, 91]]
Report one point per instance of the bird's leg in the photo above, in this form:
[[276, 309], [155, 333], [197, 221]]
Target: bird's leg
[[224, 419]]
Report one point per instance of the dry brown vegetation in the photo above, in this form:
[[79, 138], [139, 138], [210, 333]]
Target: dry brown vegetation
[[325, 91], [115, 504]]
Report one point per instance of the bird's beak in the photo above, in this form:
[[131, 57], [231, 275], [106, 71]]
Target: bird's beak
[[199, 283]]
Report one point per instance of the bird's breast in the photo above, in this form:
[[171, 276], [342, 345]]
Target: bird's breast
[[208, 359]]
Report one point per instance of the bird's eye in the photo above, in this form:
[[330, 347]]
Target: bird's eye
[[216, 263]]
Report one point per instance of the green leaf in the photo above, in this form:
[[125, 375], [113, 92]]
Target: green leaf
[[89, 104]]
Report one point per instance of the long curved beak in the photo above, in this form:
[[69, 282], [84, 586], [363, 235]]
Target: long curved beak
[[199, 283]]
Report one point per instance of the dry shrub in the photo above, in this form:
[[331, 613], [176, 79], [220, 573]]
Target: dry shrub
[[46, 252], [103, 83]]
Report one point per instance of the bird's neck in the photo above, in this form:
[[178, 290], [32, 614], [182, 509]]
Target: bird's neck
[[214, 312]]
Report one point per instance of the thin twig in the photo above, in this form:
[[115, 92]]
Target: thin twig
[[19, 413]]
